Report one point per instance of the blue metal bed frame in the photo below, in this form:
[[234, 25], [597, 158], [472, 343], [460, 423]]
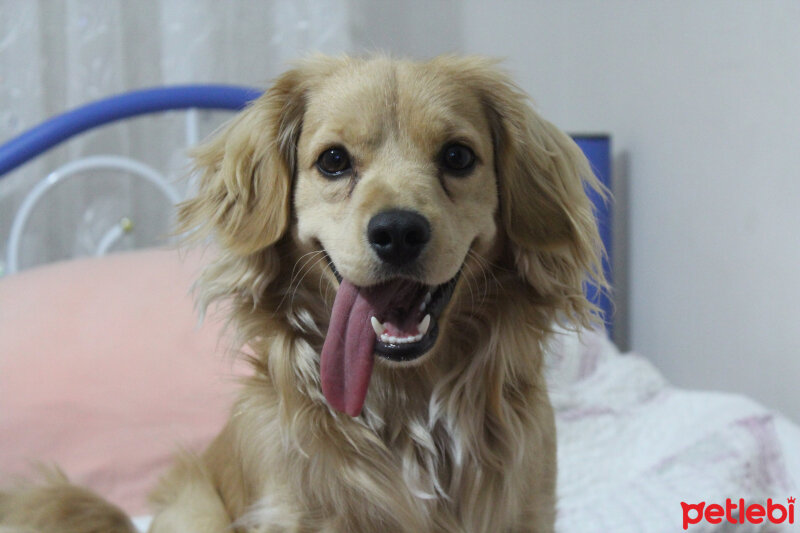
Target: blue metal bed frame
[[54, 131], [60, 128]]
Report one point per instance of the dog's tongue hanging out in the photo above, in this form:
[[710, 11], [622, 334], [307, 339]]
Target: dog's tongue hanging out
[[348, 352], [347, 355]]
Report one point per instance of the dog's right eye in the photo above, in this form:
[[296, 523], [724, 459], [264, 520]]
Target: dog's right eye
[[334, 162], [457, 159]]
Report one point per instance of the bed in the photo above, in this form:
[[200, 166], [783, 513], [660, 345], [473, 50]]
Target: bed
[[105, 370]]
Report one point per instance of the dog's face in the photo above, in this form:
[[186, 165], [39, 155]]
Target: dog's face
[[407, 177], [395, 175], [395, 182]]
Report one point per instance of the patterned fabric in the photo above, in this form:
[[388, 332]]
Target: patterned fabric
[[632, 447]]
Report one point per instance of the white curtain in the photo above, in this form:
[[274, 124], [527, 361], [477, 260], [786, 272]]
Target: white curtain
[[59, 54]]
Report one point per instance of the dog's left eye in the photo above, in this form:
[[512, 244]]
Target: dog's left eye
[[334, 162], [457, 159]]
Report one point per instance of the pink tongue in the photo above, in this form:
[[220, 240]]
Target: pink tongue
[[348, 352], [347, 355]]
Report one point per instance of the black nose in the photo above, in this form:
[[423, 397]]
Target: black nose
[[398, 236]]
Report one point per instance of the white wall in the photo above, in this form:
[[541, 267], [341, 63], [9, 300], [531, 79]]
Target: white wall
[[703, 102]]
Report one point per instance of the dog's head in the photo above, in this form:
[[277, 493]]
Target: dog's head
[[415, 182]]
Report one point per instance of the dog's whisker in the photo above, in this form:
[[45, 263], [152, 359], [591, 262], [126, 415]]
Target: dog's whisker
[[482, 264], [470, 282], [494, 267], [487, 266], [328, 287], [480, 291], [318, 259], [298, 270], [294, 285]]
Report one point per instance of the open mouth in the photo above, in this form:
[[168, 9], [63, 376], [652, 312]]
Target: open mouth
[[406, 321], [397, 319], [409, 326]]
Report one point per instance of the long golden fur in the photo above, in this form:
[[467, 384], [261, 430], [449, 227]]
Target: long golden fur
[[54, 505], [461, 439]]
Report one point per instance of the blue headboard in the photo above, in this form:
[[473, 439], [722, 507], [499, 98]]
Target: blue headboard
[[60, 128], [597, 149]]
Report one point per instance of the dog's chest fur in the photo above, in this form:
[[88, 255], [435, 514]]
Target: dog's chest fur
[[437, 450]]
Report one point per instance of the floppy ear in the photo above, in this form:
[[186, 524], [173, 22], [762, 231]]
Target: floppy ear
[[544, 208], [246, 170]]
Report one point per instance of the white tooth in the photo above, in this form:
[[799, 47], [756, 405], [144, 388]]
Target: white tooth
[[384, 337], [423, 326], [377, 326], [425, 302]]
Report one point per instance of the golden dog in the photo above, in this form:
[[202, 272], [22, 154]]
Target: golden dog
[[397, 241]]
